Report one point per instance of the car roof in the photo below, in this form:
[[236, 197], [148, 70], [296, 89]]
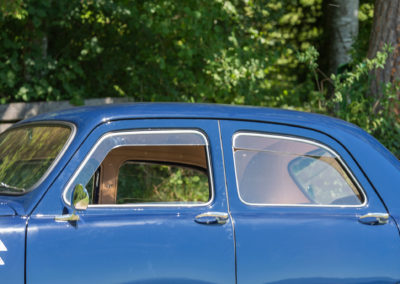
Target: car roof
[[91, 116]]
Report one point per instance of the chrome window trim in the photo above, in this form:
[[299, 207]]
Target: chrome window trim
[[303, 140], [138, 132], [71, 137]]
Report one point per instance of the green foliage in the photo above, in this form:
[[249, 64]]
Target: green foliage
[[205, 51], [13, 8], [309, 57], [345, 81], [235, 52], [351, 101], [146, 182]]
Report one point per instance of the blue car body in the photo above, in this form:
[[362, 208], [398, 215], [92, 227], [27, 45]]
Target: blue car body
[[254, 241]]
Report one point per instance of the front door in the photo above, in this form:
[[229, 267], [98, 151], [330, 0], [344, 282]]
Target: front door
[[12, 245], [297, 199], [158, 211]]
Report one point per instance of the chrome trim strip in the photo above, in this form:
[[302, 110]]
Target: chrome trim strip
[[71, 126], [303, 140], [137, 132]]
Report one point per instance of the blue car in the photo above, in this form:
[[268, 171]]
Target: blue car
[[186, 193]]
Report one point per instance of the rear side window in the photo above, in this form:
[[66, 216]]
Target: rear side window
[[279, 170]]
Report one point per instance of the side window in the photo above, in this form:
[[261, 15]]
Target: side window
[[279, 170], [148, 167], [160, 182]]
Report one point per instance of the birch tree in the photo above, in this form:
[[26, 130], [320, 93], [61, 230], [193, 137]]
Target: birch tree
[[340, 31]]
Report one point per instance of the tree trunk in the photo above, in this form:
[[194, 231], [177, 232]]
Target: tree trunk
[[385, 30], [340, 30]]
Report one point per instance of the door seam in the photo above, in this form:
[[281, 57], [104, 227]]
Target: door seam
[[227, 197]]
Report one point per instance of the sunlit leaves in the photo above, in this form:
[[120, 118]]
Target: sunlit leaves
[[351, 101], [215, 51]]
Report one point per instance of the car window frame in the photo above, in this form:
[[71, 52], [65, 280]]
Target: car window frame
[[68, 188], [346, 169]]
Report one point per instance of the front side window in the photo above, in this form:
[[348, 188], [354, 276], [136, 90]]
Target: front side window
[[26, 154], [148, 167], [279, 170], [152, 182]]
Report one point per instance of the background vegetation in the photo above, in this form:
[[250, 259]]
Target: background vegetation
[[234, 52]]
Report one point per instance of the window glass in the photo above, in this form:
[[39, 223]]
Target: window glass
[[26, 154], [157, 182], [283, 170], [154, 167]]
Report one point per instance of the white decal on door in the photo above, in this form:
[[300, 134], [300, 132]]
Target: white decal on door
[[2, 248]]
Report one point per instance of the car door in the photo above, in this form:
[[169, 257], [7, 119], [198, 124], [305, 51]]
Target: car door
[[158, 211], [303, 211]]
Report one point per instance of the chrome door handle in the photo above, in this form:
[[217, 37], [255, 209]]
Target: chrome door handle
[[212, 218], [374, 218]]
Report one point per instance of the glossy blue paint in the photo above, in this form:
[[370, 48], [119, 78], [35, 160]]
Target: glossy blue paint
[[132, 244], [6, 210], [284, 244], [12, 255], [142, 245], [165, 245]]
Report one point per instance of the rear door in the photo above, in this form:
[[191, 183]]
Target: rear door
[[303, 211], [158, 210]]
